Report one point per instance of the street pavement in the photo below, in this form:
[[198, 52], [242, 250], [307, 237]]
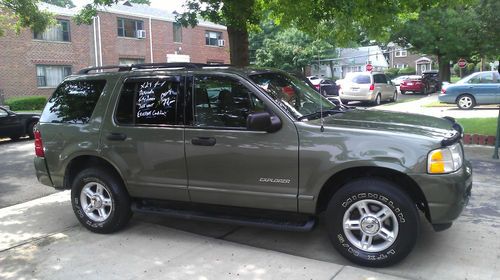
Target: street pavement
[[41, 239]]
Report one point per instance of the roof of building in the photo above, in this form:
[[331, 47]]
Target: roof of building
[[128, 9], [358, 55]]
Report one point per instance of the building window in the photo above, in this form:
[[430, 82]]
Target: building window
[[401, 66], [51, 75], [177, 32], [128, 61], [128, 27], [59, 32], [401, 53], [212, 38]]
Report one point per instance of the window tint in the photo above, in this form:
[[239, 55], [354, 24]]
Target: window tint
[[150, 102], [222, 102], [73, 102], [379, 79], [361, 79]]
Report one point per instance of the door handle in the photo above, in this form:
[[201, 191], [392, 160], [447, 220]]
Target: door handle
[[115, 136], [203, 141]]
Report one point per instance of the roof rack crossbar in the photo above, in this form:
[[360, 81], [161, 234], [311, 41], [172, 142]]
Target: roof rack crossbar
[[119, 67]]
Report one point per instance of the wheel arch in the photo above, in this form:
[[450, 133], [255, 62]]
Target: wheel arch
[[465, 93], [402, 181], [83, 161]]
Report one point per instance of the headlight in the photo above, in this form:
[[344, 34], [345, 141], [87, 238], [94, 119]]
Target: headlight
[[445, 160]]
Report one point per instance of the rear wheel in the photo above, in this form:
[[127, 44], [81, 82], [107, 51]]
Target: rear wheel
[[377, 100], [30, 129], [403, 92], [394, 97], [100, 200], [372, 222], [466, 102]]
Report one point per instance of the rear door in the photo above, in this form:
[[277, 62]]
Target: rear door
[[230, 165], [144, 136]]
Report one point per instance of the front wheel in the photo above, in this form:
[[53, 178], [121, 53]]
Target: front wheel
[[372, 222], [100, 200]]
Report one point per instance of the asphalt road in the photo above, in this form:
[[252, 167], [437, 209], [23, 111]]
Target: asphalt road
[[18, 181]]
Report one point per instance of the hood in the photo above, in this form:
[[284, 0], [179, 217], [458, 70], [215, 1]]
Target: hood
[[396, 122]]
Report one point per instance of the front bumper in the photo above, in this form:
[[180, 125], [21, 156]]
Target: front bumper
[[447, 194]]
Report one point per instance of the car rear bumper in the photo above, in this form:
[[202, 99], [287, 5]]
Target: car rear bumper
[[447, 194], [42, 173], [357, 96], [411, 88], [446, 98]]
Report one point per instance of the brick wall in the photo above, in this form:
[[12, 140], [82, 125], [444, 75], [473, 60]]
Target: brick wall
[[21, 53]]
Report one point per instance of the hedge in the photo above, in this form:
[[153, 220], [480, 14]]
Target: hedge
[[27, 103]]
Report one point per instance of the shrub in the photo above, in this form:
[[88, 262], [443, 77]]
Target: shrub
[[392, 72], [407, 71], [26, 103]]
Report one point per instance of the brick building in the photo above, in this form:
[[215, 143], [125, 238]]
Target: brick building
[[34, 64], [399, 57]]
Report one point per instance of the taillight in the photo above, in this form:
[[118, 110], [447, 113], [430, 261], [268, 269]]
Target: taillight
[[38, 144], [443, 90], [372, 87], [317, 86]]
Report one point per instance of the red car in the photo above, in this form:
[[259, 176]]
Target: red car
[[414, 84]]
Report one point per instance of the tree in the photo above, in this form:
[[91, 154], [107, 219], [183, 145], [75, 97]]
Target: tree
[[452, 31], [19, 14], [291, 49], [61, 3]]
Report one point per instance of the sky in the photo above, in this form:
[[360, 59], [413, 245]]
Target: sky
[[169, 5]]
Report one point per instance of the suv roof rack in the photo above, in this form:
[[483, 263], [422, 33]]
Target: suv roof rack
[[130, 67]]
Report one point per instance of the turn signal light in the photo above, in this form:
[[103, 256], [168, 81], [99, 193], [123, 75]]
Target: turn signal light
[[436, 162]]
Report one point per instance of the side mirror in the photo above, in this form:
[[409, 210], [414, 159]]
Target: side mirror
[[263, 121]]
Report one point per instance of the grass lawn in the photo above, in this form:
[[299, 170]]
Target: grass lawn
[[484, 126], [437, 104]]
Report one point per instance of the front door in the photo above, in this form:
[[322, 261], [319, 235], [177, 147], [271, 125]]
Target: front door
[[230, 165], [144, 137], [9, 125], [484, 88]]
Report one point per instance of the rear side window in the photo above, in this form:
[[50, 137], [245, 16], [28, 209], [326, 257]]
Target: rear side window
[[151, 102], [379, 79], [361, 79], [73, 102]]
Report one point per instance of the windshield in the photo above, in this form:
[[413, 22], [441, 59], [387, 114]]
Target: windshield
[[292, 94]]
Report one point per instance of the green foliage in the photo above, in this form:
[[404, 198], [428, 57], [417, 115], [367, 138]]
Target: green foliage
[[26, 103], [392, 72], [19, 14], [407, 71], [291, 50], [61, 3]]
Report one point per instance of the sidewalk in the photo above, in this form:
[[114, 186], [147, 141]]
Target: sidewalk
[[41, 239]]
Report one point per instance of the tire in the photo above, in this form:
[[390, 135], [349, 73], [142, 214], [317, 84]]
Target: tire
[[15, 137], [377, 100], [97, 189], [465, 102], [394, 97], [372, 195], [403, 92], [30, 128]]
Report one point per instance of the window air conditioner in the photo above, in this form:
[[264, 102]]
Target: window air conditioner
[[140, 34], [221, 42]]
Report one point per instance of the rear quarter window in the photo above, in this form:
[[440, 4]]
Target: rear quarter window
[[73, 102]]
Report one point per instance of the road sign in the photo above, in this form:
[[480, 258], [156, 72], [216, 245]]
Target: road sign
[[369, 67], [462, 63]]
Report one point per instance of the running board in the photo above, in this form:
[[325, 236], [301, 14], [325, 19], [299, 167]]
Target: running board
[[305, 223]]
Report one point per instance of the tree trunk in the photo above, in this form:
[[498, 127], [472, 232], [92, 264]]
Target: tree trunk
[[444, 68], [238, 46]]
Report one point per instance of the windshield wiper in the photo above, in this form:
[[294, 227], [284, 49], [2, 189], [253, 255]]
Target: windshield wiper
[[325, 113]]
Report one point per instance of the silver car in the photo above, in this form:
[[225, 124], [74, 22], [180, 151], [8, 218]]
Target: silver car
[[373, 87]]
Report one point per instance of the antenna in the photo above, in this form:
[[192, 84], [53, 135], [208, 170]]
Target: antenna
[[322, 129]]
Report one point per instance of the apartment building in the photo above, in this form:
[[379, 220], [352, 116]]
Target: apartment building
[[35, 63]]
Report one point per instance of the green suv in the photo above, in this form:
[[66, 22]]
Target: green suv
[[254, 147]]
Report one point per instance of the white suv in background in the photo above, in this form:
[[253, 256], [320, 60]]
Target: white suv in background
[[373, 87]]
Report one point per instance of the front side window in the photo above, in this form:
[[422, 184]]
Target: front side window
[[51, 75], [59, 32], [155, 101], [291, 94], [73, 102], [212, 38], [129, 27], [177, 32]]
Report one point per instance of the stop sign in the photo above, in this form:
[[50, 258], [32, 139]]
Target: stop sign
[[462, 63], [369, 67]]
